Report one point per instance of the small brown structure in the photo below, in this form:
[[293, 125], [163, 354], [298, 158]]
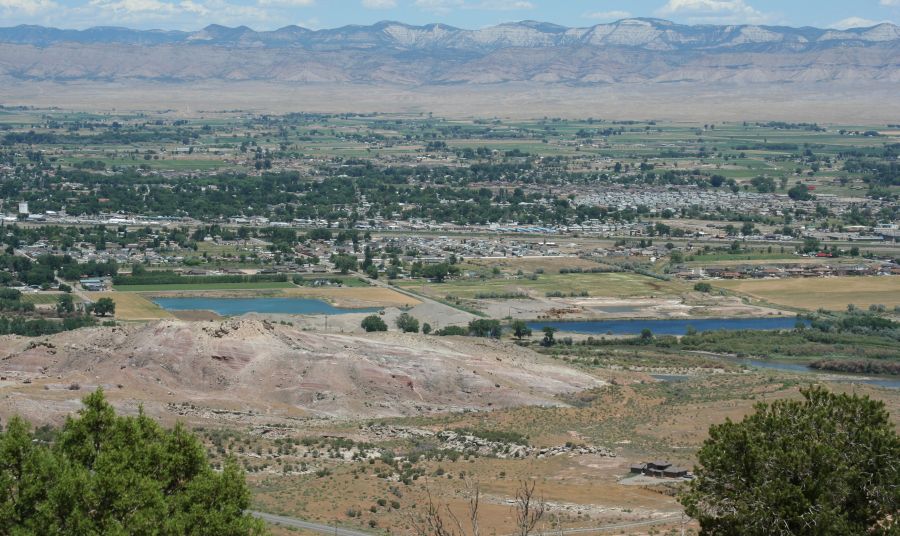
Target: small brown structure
[[660, 469], [675, 472]]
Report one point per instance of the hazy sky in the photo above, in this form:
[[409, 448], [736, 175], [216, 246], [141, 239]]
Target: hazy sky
[[270, 14]]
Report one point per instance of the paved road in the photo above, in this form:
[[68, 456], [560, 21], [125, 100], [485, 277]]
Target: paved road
[[307, 525], [327, 529], [616, 526], [441, 314], [388, 285], [75, 290]]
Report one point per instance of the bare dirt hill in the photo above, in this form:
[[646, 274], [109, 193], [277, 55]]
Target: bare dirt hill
[[252, 367]]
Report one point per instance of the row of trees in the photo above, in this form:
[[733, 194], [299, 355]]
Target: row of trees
[[480, 327], [405, 323]]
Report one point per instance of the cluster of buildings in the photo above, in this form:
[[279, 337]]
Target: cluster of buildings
[[94, 284], [441, 247], [792, 270], [122, 255], [657, 200], [61, 218]]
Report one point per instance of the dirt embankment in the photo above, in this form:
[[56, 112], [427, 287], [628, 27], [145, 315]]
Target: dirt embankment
[[274, 371]]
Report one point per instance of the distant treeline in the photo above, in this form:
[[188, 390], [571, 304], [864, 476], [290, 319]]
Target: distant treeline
[[481, 327], [43, 270], [107, 137], [812, 127], [561, 294], [11, 300], [768, 147], [502, 296], [172, 278], [859, 366], [18, 325], [596, 270]]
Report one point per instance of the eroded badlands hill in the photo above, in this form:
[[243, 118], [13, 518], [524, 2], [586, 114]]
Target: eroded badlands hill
[[257, 367]]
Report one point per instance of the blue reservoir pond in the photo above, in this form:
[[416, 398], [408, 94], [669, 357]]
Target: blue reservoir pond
[[239, 306]]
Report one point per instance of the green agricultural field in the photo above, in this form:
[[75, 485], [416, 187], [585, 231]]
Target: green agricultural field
[[133, 307], [40, 299], [211, 248], [185, 164], [613, 285], [263, 285], [741, 257]]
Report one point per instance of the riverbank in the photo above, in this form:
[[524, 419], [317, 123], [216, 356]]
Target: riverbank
[[674, 326], [784, 366]]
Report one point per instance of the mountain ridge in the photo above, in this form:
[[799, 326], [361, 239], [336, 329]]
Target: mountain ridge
[[627, 51], [647, 33]]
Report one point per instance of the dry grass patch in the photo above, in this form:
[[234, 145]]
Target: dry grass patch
[[567, 484], [550, 265], [133, 306], [611, 285], [833, 293]]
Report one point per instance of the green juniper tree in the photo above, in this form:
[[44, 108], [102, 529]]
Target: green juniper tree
[[407, 323], [520, 329], [104, 306], [826, 465], [373, 323], [108, 474]]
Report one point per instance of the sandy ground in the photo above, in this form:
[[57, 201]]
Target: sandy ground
[[581, 491], [437, 315], [605, 308], [356, 297], [820, 103]]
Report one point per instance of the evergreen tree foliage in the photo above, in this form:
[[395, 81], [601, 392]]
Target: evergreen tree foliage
[[113, 475], [826, 465]]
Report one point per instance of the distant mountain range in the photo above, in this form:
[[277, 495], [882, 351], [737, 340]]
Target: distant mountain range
[[627, 51]]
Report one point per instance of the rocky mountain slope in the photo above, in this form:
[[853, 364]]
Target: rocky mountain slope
[[251, 366], [632, 50]]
